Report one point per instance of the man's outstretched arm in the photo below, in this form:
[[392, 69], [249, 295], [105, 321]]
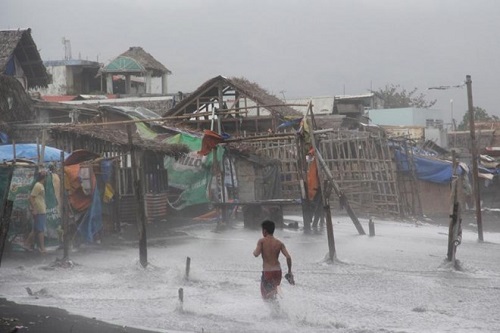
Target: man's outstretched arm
[[288, 258], [258, 249]]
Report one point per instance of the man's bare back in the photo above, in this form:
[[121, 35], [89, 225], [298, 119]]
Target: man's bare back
[[270, 248]]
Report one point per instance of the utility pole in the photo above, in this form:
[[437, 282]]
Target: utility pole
[[472, 128]]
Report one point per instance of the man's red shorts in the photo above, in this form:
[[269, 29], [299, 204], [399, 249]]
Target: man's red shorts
[[269, 283]]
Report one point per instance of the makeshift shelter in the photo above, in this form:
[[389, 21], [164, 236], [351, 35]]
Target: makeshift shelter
[[232, 105], [210, 175], [112, 142]]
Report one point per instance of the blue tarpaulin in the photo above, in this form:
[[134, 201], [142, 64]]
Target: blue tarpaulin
[[92, 221], [29, 151], [428, 169]]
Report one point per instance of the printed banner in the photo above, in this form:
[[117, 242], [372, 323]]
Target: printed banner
[[190, 174]]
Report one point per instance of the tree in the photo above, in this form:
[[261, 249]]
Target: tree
[[394, 96], [480, 114]]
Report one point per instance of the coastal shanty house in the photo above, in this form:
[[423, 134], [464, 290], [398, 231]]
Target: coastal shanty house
[[24, 119], [231, 105], [19, 58], [112, 142], [21, 68], [15, 106], [48, 114], [132, 72]]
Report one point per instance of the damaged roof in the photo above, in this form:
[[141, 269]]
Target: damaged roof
[[119, 137], [20, 44], [209, 91]]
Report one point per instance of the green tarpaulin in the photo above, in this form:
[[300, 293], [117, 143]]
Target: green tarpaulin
[[192, 173]]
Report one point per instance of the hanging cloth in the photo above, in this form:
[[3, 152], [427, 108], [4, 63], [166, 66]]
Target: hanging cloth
[[210, 140]]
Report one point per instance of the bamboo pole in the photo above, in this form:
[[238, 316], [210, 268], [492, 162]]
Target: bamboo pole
[[453, 211], [44, 142], [140, 215], [341, 195], [14, 154], [261, 137], [324, 194], [64, 217]]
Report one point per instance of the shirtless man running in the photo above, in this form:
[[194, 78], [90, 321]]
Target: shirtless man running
[[270, 249]]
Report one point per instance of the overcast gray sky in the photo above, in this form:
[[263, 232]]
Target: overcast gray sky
[[303, 48]]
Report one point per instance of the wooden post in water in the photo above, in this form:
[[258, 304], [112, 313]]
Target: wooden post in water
[[454, 228], [188, 267], [342, 197], [64, 215], [371, 227], [140, 214], [181, 295]]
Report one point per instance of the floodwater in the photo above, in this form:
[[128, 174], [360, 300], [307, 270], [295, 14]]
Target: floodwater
[[397, 281]]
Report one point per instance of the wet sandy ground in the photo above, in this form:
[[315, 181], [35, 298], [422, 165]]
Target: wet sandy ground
[[396, 281]]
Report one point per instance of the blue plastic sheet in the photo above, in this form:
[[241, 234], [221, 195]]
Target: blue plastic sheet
[[92, 221], [29, 151], [428, 169]]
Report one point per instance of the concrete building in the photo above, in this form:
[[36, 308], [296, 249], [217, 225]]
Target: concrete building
[[419, 124], [72, 77]]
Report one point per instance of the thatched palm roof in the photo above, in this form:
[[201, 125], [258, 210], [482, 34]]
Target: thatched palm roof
[[135, 59], [20, 44], [15, 104], [119, 137], [243, 87]]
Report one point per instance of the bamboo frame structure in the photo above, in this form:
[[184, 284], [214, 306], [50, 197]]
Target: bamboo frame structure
[[360, 162]]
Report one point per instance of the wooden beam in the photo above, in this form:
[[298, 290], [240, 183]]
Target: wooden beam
[[141, 216], [325, 196]]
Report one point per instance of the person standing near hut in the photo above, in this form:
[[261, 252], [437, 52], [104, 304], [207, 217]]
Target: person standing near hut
[[38, 210], [270, 249]]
